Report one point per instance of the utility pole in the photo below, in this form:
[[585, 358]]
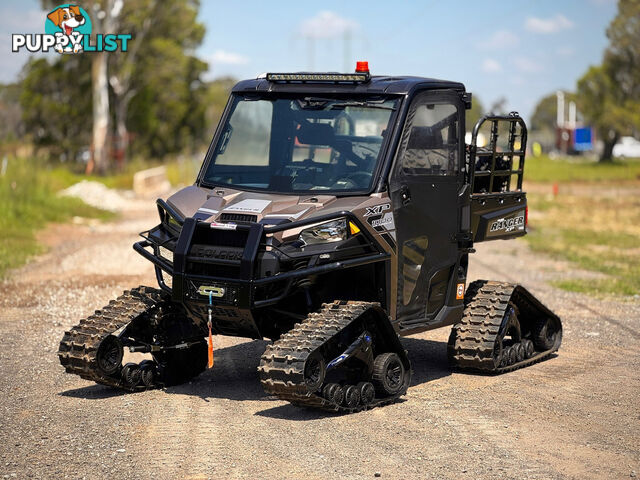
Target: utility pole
[[572, 114], [560, 109]]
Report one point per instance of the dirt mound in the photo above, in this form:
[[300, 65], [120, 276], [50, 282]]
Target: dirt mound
[[98, 195]]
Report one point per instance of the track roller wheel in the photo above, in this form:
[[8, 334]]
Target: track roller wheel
[[131, 374], [511, 355], [109, 355], [148, 373], [351, 396], [367, 392], [388, 373], [315, 370], [334, 393], [529, 348], [520, 352], [329, 391], [545, 334], [504, 358]]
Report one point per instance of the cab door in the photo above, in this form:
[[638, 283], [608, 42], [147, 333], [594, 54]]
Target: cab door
[[424, 185]]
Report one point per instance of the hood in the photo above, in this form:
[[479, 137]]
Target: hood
[[228, 205]]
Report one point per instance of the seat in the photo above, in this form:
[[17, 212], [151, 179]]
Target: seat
[[426, 151]]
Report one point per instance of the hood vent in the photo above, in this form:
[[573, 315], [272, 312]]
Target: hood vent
[[238, 217]]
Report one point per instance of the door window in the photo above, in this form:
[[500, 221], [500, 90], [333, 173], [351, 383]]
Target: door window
[[430, 139]]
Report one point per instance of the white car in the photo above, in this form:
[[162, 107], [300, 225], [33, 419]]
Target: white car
[[627, 147]]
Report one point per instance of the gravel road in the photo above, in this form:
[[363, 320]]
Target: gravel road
[[573, 416]]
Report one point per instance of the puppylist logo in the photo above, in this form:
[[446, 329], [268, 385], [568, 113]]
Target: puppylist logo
[[67, 29]]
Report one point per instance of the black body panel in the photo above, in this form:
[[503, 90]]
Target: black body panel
[[400, 85]]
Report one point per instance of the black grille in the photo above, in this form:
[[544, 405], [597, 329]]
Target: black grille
[[204, 235], [208, 270], [238, 217]]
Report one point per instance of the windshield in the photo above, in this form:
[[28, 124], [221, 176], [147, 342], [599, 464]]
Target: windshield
[[303, 144]]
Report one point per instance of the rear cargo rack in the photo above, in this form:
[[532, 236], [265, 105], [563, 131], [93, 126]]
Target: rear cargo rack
[[490, 170], [498, 205]]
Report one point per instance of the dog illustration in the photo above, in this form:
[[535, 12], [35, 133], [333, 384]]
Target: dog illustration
[[67, 19]]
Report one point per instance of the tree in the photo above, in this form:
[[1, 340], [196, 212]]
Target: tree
[[545, 114], [104, 19], [476, 112], [168, 108], [610, 94], [498, 106], [160, 75], [598, 101], [11, 124], [56, 103], [622, 58]]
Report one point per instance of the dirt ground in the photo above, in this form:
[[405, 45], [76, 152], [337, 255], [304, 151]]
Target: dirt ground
[[573, 416]]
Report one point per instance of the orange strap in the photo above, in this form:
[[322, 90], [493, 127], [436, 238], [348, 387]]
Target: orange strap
[[210, 349], [210, 346]]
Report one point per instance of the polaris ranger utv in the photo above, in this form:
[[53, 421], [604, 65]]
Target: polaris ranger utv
[[333, 213]]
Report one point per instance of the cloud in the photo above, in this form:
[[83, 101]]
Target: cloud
[[489, 65], [548, 25], [528, 65], [501, 39], [222, 57], [326, 24]]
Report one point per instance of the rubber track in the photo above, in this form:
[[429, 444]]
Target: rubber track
[[472, 339], [77, 352], [281, 367]]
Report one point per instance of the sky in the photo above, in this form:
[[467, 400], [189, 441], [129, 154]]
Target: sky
[[521, 50]]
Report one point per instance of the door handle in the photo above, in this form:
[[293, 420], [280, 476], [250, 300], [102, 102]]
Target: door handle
[[405, 195]]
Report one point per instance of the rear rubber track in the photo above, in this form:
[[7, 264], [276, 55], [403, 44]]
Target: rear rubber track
[[472, 340]]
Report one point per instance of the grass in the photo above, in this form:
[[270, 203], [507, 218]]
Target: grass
[[29, 201], [61, 177], [28, 194], [572, 169], [597, 232], [180, 171]]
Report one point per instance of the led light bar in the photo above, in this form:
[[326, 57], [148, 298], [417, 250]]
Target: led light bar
[[318, 77]]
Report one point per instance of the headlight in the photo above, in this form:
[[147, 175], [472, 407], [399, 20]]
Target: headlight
[[172, 222], [333, 231], [168, 220]]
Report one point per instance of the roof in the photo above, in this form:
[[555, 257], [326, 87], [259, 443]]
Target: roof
[[376, 85]]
